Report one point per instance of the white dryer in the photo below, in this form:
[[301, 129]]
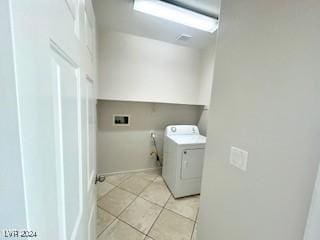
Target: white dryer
[[183, 153]]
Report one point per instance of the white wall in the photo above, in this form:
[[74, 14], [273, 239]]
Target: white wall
[[12, 201], [206, 74], [265, 100], [207, 70], [141, 69], [128, 148]]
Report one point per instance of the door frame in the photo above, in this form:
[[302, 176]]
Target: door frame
[[312, 230]]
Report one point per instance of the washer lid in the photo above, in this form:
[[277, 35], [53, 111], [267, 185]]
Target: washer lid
[[188, 139]]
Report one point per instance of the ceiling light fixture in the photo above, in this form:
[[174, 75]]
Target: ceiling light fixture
[[176, 14]]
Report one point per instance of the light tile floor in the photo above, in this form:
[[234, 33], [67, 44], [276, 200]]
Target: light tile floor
[[139, 206]]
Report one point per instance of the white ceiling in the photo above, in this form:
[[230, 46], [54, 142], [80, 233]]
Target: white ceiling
[[118, 15]]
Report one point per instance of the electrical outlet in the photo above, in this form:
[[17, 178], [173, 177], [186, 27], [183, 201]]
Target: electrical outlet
[[239, 158]]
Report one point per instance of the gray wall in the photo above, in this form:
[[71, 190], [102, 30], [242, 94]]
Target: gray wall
[[208, 62], [12, 205], [266, 95], [128, 148], [203, 121]]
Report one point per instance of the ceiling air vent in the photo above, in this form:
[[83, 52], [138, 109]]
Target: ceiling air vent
[[184, 37]]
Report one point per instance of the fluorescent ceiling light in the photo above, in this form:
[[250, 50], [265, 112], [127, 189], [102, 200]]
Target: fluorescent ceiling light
[[176, 14]]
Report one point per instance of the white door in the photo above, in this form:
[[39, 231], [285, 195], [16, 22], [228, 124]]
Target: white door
[[89, 129], [54, 57]]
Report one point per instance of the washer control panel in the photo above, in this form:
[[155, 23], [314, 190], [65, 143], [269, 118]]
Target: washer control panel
[[181, 130]]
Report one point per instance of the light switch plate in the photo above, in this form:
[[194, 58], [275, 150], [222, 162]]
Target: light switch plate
[[239, 158]]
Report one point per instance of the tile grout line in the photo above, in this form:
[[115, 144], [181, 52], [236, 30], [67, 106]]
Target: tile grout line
[[148, 237], [194, 220], [117, 218], [154, 223], [116, 185], [197, 217], [107, 211], [194, 226], [139, 196], [151, 181], [127, 206], [108, 224], [179, 214], [157, 218], [153, 202], [163, 207], [170, 194], [136, 197], [141, 190], [98, 198], [150, 200], [132, 226], [129, 176], [106, 227], [195, 223]]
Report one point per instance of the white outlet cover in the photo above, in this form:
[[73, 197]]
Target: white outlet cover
[[239, 158]]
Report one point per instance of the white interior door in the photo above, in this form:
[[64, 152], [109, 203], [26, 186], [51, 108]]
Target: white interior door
[[89, 127], [69, 173], [55, 73]]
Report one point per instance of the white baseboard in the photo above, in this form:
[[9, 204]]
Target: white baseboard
[[130, 171]]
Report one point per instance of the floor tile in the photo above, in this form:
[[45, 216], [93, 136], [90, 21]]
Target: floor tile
[[194, 234], [135, 184], [159, 180], [116, 201], [120, 231], [117, 179], [149, 175], [170, 226], [157, 193], [187, 207], [197, 219], [104, 219], [104, 188], [141, 214]]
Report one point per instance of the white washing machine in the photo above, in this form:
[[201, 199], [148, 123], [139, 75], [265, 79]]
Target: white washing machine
[[183, 153]]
